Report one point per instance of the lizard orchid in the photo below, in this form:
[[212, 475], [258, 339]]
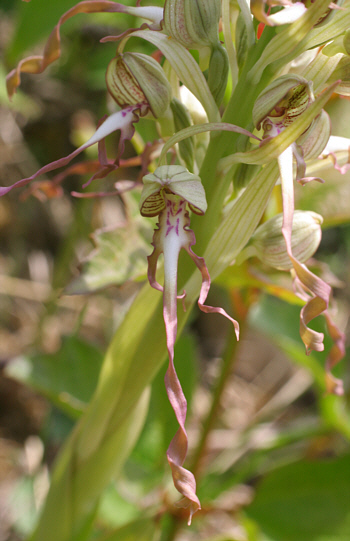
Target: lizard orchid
[[138, 84], [276, 108], [170, 192]]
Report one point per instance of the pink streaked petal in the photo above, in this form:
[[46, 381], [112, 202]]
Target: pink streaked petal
[[336, 144], [320, 290], [52, 51], [183, 479], [333, 384], [306, 180], [122, 120]]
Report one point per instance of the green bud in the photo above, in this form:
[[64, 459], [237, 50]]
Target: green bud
[[241, 41], [270, 246], [134, 78], [315, 138], [173, 179], [182, 120], [284, 99], [218, 73], [193, 23]]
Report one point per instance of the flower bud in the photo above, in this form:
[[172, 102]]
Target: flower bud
[[218, 73], [270, 245], [182, 120], [135, 78], [173, 179], [193, 23], [283, 100], [316, 137]]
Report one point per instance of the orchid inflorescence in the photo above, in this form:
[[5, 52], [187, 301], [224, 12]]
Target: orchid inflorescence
[[290, 128]]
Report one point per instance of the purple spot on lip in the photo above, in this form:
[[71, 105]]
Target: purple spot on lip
[[177, 226], [124, 113]]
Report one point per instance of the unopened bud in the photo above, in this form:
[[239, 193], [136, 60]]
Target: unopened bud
[[316, 137], [173, 179], [135, 78], [193, 23], [182, 120], [218, 73], [270, 246], [283, 100]]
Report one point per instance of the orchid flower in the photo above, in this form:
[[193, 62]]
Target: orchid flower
[[170, 192], [291, 96], [138, 84]]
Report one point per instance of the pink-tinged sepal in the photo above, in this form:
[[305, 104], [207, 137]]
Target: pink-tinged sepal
[[333, 384]]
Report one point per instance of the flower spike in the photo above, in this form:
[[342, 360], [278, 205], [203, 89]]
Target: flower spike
[[166, 193]]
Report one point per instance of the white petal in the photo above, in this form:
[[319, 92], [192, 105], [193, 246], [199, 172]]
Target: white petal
[[116, 121], [151, 13], [288, 15], [336, 143]]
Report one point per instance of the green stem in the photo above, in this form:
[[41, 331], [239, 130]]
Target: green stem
[[229, 359]]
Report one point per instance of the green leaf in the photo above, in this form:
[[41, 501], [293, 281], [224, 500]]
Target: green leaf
[[305, 501], [240, 221], [67, 377], [79, 481]]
